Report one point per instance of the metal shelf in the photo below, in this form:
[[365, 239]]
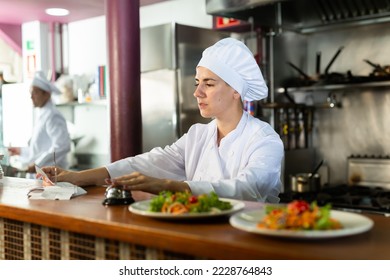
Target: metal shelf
[[336, 86], [101, 102]]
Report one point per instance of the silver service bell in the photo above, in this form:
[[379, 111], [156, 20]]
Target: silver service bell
[[117, 195]]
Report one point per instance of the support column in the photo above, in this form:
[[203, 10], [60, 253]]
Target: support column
[[123, 35]]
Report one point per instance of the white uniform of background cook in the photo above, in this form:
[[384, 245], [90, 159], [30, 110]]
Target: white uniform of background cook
[[50, 134]]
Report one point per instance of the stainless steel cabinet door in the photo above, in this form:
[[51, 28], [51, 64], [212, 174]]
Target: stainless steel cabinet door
[[158, 102]]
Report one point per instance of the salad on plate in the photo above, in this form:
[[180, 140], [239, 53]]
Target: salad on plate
[[299, 215], [177, 203]]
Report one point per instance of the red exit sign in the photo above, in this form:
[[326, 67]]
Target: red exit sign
[[223, 22]]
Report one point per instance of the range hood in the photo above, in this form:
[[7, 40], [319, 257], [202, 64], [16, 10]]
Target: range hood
[[303, 15]]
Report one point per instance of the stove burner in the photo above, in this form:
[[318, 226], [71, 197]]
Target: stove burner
[[364, 198], [384, 200]]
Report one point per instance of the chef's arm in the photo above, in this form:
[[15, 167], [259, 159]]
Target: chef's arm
[[177, 186], [14, 151], [95, 176], [89, 177], [31, 168], [137, 181]]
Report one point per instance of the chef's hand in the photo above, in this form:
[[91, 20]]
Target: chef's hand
[[139, 182], [88, 177], [62, 174], [13, 151], [31, 168]]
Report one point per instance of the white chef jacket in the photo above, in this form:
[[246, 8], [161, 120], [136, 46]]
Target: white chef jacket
[[246, 165], [50, 133]]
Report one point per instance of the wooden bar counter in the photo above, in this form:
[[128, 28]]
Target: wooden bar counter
[[82, 228]]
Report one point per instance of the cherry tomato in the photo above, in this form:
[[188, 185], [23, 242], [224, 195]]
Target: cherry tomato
[[193, 199], [298, 206]]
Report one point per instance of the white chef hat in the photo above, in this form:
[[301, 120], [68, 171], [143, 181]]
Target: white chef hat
[[41, 82], [233, 62]]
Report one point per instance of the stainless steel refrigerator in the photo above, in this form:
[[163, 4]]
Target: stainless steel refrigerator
[[169, 55]]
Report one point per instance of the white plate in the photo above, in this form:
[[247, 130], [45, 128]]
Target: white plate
[[352, 224], [142, 208]]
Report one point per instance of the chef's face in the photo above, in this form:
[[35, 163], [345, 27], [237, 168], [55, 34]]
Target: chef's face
[[215, 97], [39, 97]]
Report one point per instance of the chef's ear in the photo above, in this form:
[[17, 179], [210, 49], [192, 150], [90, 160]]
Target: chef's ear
[[236, 95]]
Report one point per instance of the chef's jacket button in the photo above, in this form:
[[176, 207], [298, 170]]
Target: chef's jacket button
[[231, 153]]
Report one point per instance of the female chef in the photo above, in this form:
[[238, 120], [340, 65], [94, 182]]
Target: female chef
[[235, 155], [50, 132]]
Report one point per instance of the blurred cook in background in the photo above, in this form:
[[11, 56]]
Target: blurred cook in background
[[2, 81], [50, 133]]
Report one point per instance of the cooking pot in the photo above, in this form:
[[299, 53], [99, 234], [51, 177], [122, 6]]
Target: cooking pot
[[305, 182]]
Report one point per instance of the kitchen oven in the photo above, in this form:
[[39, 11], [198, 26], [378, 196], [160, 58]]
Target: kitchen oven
[[367, 188]]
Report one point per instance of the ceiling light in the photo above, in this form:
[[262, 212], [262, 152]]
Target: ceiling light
[[59, 12]]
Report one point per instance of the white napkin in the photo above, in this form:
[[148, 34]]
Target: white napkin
[[61, 191]]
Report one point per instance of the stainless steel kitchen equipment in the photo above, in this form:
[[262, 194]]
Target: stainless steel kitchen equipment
[[303, 15], [305, 182], [369, 170], [367, 190], [297, 30], [368, 199], [169, 55]]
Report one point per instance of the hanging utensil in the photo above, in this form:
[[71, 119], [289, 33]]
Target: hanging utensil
[[318, 64], [378, 69], [316, 169], [332, 60], [304, 79], [333, 77]]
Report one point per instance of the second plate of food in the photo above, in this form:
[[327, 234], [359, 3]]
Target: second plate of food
[[143, 208], [351, 224]]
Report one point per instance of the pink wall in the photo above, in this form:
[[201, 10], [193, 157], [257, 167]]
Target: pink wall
[[12, 35]]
